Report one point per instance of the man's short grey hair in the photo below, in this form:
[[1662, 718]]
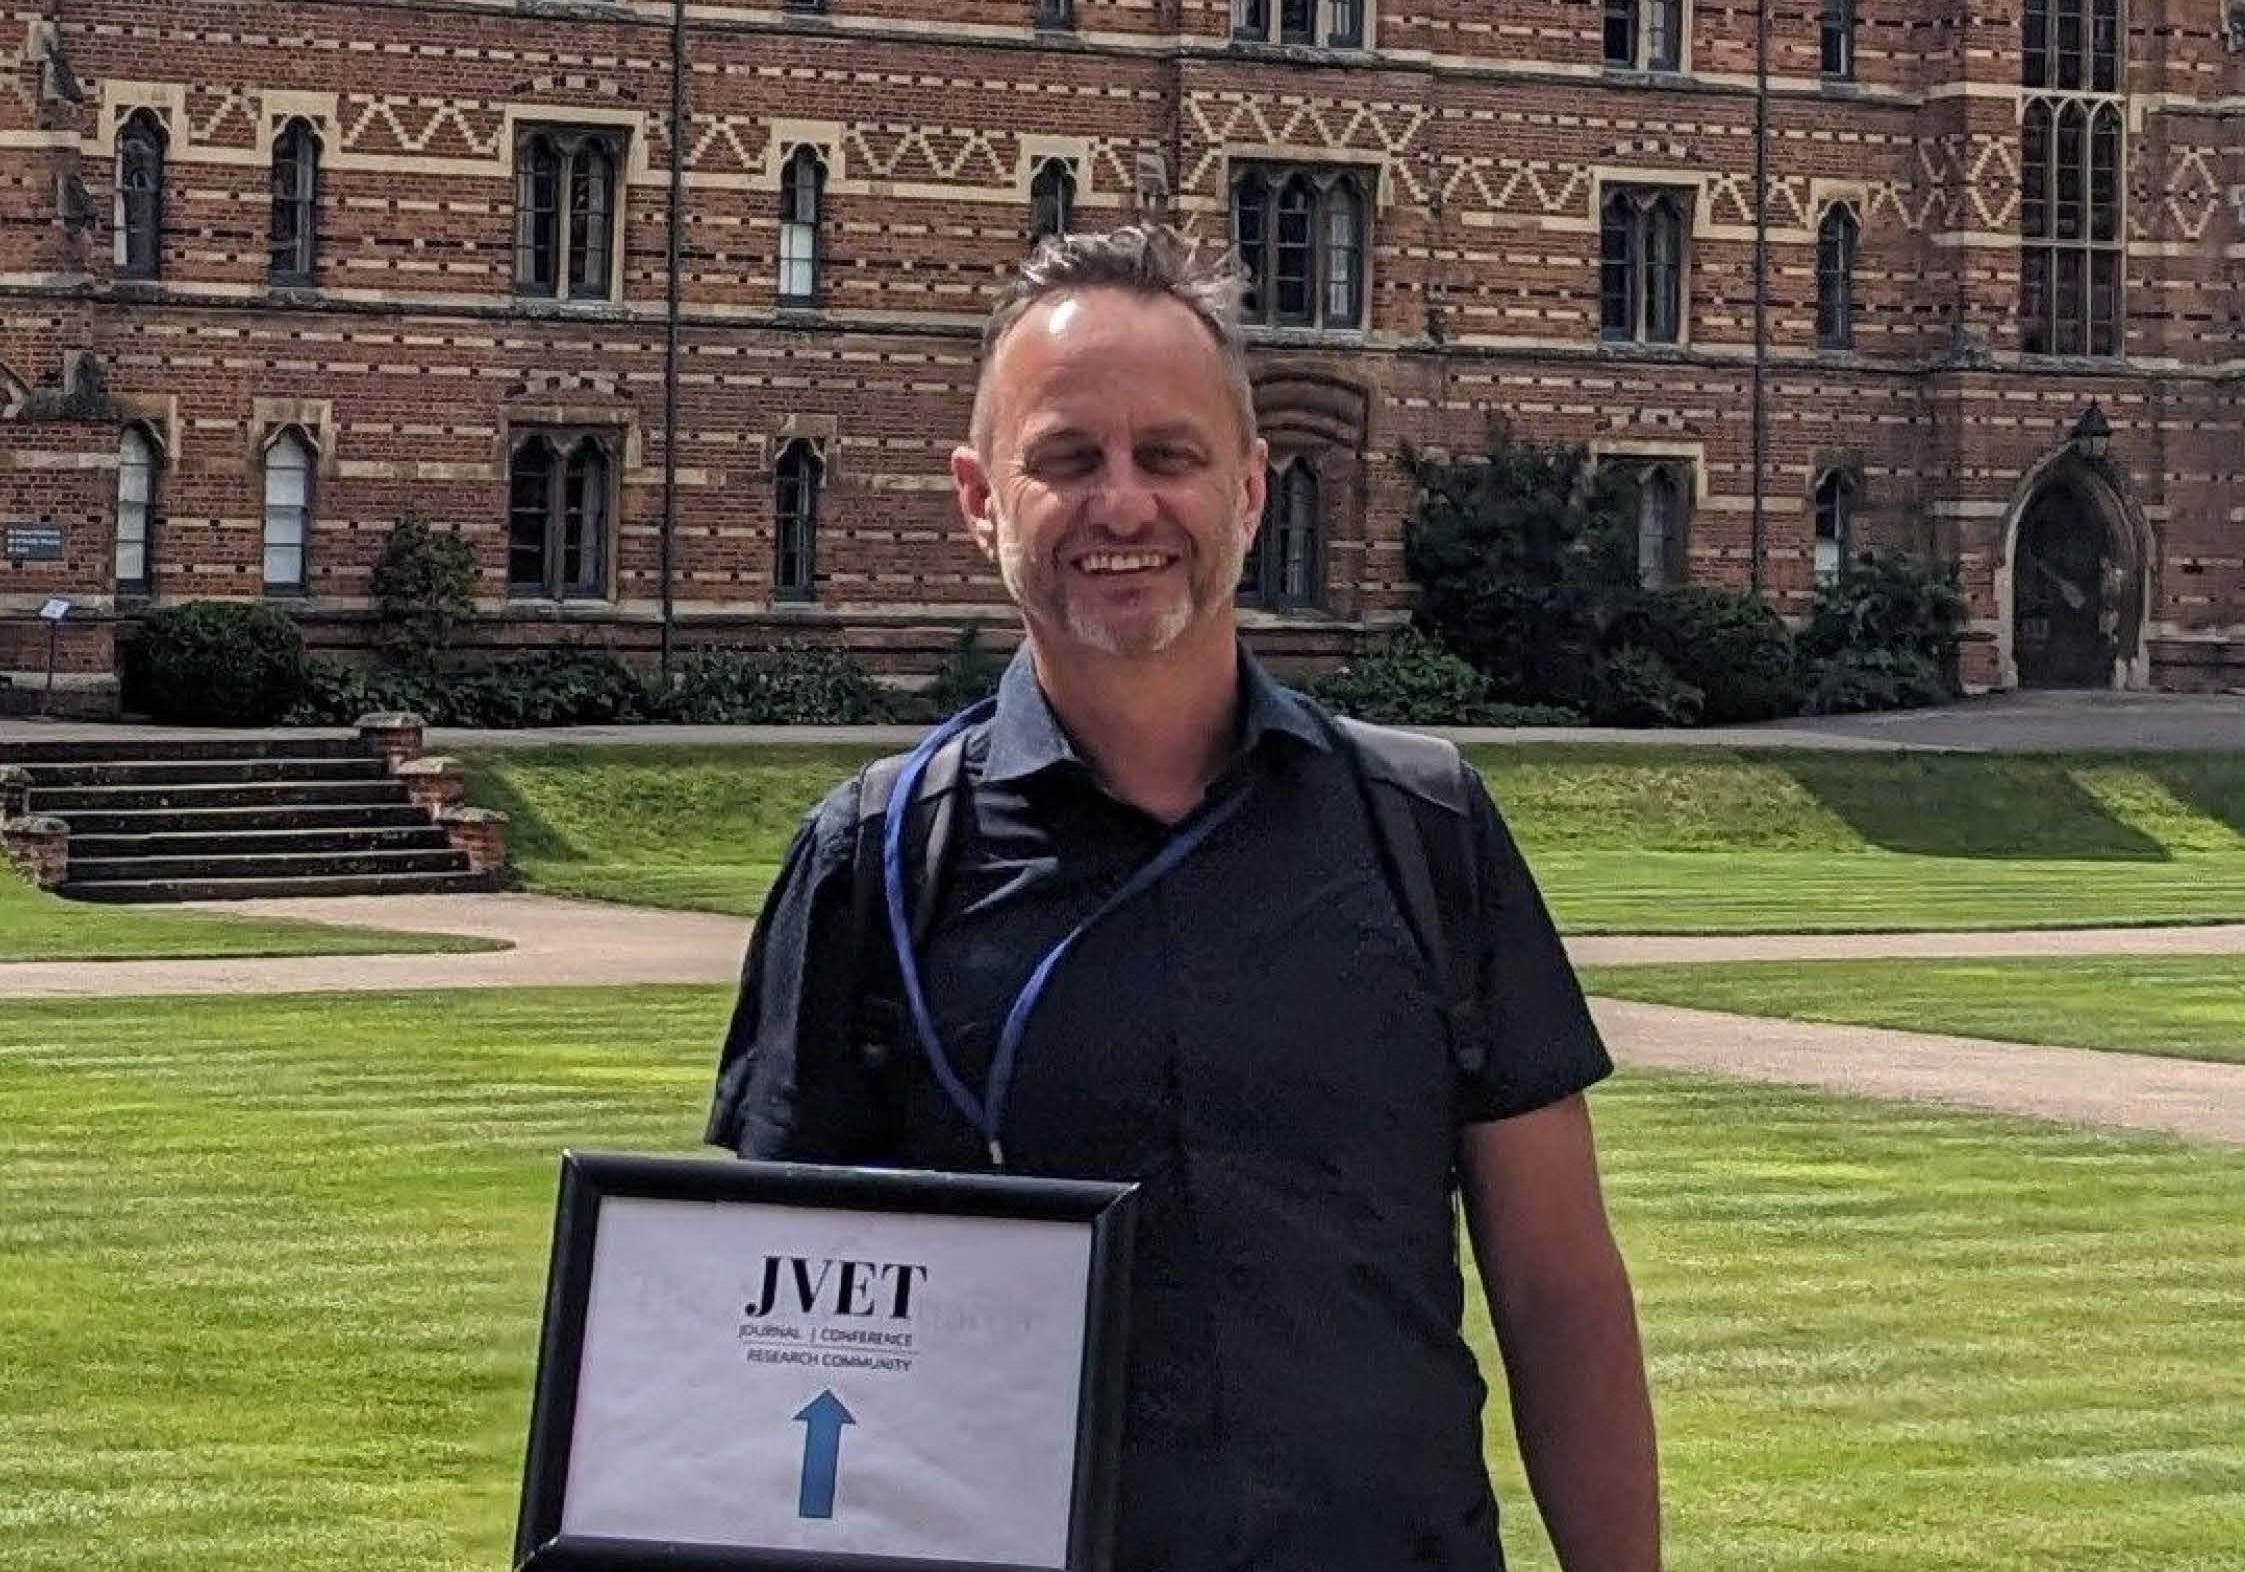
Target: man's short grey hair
[[1144, 259]]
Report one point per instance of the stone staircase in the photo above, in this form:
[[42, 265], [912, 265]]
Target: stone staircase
[[223, 818]]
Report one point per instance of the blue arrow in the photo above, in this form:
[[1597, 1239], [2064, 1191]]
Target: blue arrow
[[822, 1419]]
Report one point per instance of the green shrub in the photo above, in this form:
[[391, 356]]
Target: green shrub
[[1408, 679], [1854, 681], [1635, 687], [215, 663], [1731, 647], [1889, 601], [574, 685], [773, 688], [424, 589], [337, 692], [968, 675]]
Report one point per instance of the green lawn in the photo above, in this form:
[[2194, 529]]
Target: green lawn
[[36, 926], [1646, 840], [275, 1267], [2181, 1007]]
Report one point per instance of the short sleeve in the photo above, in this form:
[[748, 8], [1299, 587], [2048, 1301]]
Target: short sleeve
[[1540, 1044], [791, 1085]]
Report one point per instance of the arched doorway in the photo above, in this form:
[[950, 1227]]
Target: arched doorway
[[2065, 611]]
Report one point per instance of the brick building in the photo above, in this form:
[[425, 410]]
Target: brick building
[[273, 276]]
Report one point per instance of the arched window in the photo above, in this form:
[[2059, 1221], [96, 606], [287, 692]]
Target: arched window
[[294, 244], [2073, 189], [802, 185], [592, 219], [797, 481], [1836, 497], [1052, 199], [1283, 566], [2104, 46], [1664, 35], [1660, 528], [565, 214], [1297, 21], [558, 499], [288, 511], [2034, 44], [2036, 168], [140, 197], [140, 468], [1836, 40], [1302, 239], [1837, 240], [1641, 265], [1251, 18]]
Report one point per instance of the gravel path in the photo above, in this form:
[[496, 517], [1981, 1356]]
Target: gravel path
[[560, 942]]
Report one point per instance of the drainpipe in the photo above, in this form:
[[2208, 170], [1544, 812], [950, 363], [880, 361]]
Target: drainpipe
[[1760, 536], [671, 304]]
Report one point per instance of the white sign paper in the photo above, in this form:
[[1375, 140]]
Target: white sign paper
[[857, 1382]]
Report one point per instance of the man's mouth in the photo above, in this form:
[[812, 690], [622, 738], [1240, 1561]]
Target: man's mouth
[[1117, 562]]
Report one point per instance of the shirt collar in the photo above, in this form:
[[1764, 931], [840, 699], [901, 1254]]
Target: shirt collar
[[1026, 737]]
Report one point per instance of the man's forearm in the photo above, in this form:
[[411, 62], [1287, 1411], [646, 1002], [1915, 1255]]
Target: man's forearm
[[1583, 1416]]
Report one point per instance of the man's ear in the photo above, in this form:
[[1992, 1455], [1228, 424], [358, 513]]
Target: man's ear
[[970, 481], [1257, 483]]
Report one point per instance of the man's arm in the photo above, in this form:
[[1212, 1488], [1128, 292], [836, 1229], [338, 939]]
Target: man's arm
[[1567, 1326]]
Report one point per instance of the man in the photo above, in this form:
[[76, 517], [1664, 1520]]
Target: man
[[1245, 1028]]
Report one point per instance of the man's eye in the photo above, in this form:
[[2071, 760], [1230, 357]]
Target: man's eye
[[1168, 461], [1064, 461]]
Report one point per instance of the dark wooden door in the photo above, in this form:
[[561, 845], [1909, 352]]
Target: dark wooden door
[[2059, 595]]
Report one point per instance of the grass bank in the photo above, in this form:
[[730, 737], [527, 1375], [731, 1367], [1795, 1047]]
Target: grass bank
[[36, 926], [2179, 1007], [1625, 840], [275, 1268]]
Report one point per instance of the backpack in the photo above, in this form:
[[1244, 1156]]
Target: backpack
[[1415, 793]]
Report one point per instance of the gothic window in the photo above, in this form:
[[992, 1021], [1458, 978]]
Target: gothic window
[[1337, 24], [802, 189], [1644, 35], [1837, 497], [288, 511], [1836, 40], [1283, 566], [565, 214], [1662, 519], [559, 492], [140, 197], [2072, 196], [1838, 239], [1052, 199], [797, 482], [1641, 265], [294, 243], [140, 468], [1302, 237]]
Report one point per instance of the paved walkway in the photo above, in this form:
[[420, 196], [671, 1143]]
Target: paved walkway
[[561, 942]]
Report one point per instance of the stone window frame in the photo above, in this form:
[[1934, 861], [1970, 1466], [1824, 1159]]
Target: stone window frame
[[1835, 41], [1679, 470], [151, 507], [303, 442], [587, 162], [802, 226], [293, 241], [143, 157], [1646, 35], [1052, 198], [1303, 24], [563, 446], [1839, 253], [1291, 536], [1836, 508], [1326, 187], [1636, 216], [798, 495]]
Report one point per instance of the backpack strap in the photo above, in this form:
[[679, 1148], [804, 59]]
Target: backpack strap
[[1415, 794], [933, 828]]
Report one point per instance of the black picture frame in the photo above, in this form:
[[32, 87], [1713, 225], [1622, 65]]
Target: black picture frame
[[587, 1179]]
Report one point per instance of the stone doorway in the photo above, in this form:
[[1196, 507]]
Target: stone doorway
[[2066, 592]]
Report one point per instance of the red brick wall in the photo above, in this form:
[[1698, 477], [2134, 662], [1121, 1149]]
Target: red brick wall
[[1487, 126]]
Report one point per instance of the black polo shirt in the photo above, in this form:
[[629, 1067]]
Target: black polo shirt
[[1255, 1041]]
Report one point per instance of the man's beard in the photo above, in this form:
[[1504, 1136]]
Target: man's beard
[[1041, 594]]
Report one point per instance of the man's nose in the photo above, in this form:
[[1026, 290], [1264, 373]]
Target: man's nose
[[1127, 503]]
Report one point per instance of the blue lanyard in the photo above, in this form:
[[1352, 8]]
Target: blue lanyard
[[987, 1113]]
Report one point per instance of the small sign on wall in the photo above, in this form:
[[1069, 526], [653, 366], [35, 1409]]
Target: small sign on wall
[[34, 542]]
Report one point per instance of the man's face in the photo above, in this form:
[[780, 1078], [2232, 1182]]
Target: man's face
[[1115, 489]]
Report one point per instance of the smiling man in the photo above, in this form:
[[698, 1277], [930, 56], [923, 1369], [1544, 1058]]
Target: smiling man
[[1164, 948]]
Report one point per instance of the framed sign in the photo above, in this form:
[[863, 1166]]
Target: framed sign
[[750, 1367]]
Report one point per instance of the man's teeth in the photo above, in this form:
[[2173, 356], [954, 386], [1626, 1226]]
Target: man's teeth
[[1120, 561]]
